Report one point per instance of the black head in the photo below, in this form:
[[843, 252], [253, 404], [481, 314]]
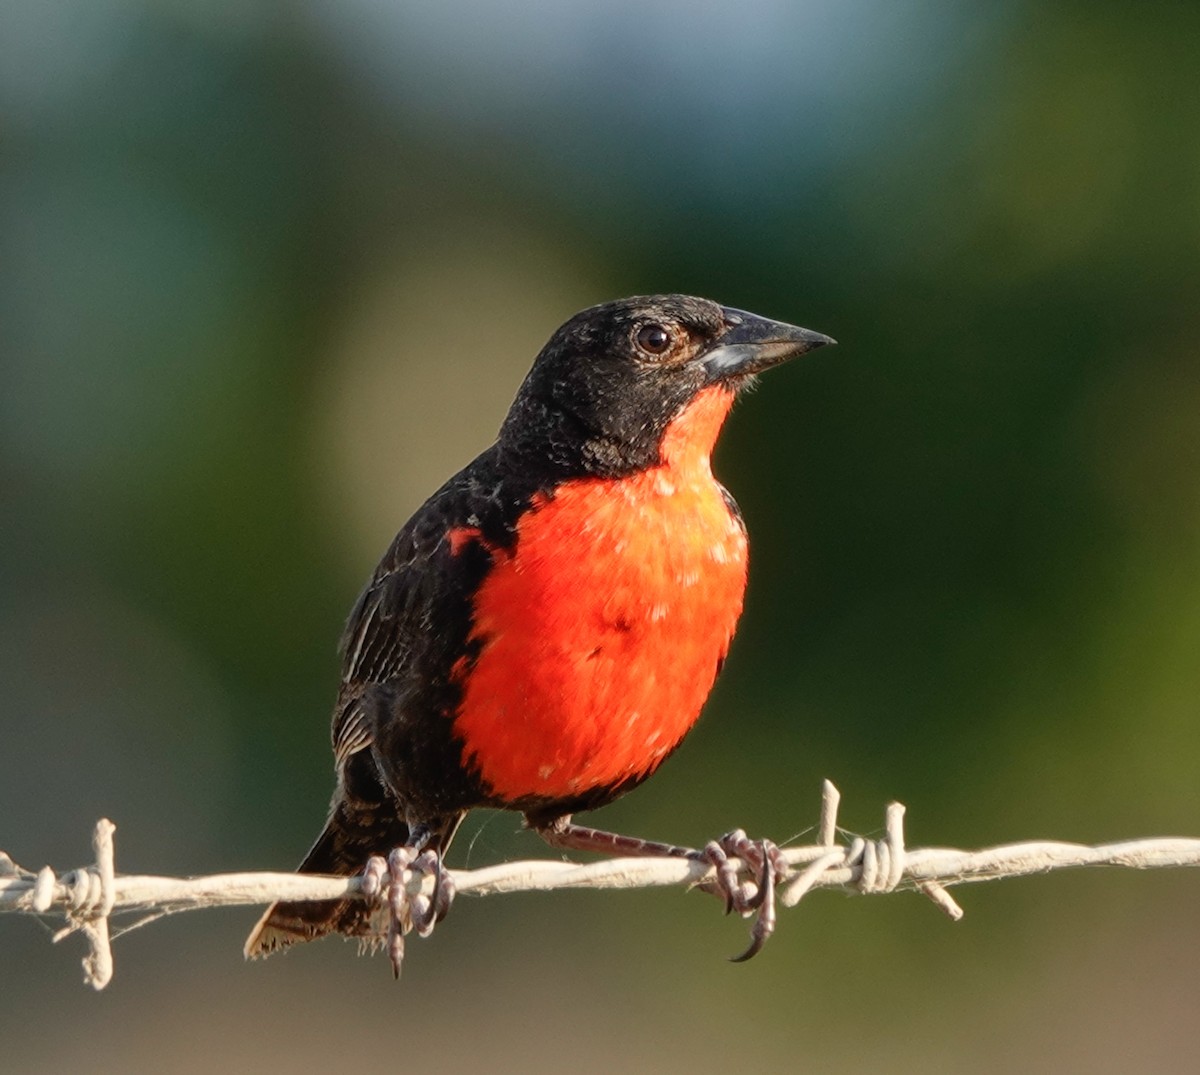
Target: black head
[[610, 380]]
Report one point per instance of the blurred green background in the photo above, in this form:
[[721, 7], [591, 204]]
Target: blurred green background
[[270, 271]]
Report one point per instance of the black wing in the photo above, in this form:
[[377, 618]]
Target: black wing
[[413, 620]]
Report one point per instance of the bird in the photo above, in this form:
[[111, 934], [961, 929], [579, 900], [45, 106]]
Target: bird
[[545, 630]]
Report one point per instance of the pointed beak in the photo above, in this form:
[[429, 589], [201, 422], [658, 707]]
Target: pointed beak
[[752, 344]]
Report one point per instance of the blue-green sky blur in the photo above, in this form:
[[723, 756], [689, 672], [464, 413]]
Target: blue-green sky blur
[[270, 271]]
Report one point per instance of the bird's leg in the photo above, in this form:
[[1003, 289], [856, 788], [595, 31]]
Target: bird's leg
[[563, 834], [419, 912], [762, 857]]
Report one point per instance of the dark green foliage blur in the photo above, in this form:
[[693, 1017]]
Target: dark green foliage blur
[[270, 272]]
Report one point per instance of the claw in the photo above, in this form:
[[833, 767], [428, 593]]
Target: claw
[[747, 897], [395, 949], [399, 907], [764, 922]]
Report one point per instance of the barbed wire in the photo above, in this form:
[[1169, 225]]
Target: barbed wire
[[89, 897]]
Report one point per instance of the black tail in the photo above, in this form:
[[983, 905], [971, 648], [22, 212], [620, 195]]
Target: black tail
[[351, 836]]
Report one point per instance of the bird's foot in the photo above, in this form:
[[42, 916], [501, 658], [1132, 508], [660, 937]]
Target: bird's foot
[[420, 912], [761, 857], [756, 897]]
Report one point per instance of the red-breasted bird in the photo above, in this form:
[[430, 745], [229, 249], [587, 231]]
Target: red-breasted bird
[[544, 631]]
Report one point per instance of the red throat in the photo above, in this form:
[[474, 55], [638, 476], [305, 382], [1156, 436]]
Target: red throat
[[691, 437], [603, 630]]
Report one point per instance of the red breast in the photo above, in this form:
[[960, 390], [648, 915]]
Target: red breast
[[604, 629]]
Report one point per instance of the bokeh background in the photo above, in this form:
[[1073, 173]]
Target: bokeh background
[[270, 271]]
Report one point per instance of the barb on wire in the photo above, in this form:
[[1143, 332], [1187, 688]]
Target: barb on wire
[[89, 897]]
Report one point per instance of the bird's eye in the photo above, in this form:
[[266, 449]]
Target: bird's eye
[[653, 339]]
